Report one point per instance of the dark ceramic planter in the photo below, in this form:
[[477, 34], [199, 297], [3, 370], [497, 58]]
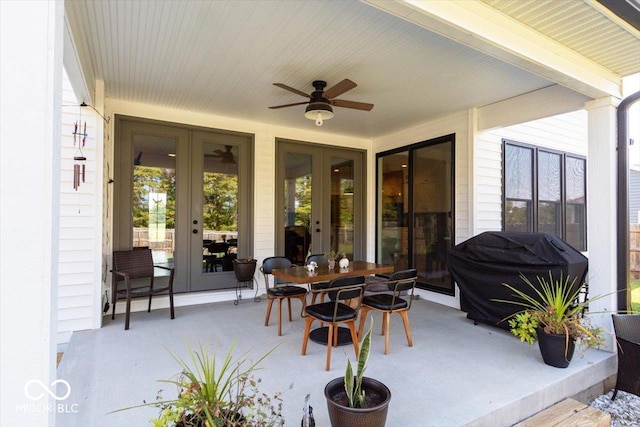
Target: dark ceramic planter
[[342, 415], [554, 349]]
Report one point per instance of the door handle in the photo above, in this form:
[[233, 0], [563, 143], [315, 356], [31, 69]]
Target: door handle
[[317, 230], [195, 231]]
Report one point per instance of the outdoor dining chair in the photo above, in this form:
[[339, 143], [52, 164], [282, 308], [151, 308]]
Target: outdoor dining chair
[[136, 269], [390, 301], [627, 331], [280, 291], [322, 261], [345, 294]]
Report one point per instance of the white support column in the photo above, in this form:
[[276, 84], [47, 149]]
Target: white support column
[[601, 208], [100, 183], [30, 133]]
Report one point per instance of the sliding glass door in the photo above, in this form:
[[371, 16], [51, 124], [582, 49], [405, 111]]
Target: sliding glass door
[[414, 210]]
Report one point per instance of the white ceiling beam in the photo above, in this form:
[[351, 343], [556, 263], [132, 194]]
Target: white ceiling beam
[[478, 25], [73, 67], [546, 102]]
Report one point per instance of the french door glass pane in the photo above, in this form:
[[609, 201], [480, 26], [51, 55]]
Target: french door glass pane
[[154, 191], [297, 197], [342, 208], [219, 207], [393, 208]]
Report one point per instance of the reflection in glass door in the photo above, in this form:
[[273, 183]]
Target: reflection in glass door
[[342, 206], [154, 194], [322, 200], [415, 211], [298, 185]]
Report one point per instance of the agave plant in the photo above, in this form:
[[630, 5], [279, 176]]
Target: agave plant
[[553, 305], [353, 385]]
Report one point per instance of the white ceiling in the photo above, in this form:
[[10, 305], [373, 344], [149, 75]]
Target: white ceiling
[[221, 57]]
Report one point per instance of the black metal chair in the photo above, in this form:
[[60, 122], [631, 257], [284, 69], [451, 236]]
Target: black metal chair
[[136, 269], [627, 330], [280, 291], [399, 283], [244, 269], [219, 254], [345, 294], [322, 261]]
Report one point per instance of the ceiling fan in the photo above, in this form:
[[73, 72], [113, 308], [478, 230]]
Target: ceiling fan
[[321, 101], [226, 156]]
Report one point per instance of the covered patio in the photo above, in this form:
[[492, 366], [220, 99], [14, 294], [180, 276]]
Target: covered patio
[[473, 69], [456, 374]]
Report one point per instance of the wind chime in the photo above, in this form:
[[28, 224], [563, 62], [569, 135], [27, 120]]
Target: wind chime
[[79, 138]]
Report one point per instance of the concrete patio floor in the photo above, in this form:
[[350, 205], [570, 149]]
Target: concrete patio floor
[[456, 373]]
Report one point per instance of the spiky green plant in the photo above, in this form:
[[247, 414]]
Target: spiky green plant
[[554, 306], [353, 385], [217, 393]]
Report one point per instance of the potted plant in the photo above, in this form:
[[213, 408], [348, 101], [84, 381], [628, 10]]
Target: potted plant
[[331, 257], [356, 400], [553, 314], [213, 394]]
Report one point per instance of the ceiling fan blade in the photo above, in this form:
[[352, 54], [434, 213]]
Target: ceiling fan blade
[[339, 89], [290, 89], [352, 104], [288, 105]]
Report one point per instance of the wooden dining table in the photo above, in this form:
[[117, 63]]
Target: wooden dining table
[[301, 275]]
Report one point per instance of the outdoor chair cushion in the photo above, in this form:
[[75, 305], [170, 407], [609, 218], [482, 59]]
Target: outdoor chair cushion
[[324, 311]]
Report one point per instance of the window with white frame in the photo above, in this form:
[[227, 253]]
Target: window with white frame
[[544, 191]]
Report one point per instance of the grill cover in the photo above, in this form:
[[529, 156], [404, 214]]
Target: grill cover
[[481, 264]]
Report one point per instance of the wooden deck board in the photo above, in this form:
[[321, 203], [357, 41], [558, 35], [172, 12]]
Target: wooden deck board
[[568, 413]]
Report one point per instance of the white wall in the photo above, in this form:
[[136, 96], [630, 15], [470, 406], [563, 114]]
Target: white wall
[[79, 252]]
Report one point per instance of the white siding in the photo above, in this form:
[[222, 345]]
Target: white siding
[[564, 132], [77, 269]]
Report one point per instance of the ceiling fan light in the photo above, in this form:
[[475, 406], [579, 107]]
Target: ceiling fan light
[[319, 112]]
